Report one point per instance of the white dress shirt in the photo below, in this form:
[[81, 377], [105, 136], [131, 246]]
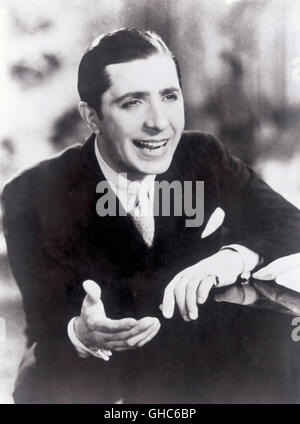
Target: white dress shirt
[[127, 190]]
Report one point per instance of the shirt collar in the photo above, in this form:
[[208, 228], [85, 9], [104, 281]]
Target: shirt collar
[[120, 184]]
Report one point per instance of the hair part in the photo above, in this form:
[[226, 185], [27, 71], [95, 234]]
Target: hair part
[[123, 45]]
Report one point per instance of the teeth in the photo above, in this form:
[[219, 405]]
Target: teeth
[[150, 144]]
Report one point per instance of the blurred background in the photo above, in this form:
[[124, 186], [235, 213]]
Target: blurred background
[[240, 61]]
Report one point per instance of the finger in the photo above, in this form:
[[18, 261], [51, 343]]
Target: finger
[[180, 296], [135, 341], [143, 341], [168, 303], [101, 353], [129, 342], [191, 298], [92, 290], [150, 336], [92, 306], [204, 289], [109, 326], [141, 326], [280, 266]]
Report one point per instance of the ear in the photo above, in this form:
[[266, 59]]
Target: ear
[[89, 116]]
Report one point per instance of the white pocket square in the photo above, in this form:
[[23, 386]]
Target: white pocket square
[[215, 221]]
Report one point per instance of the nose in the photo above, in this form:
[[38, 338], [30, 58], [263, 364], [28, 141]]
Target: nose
[[156, 118]]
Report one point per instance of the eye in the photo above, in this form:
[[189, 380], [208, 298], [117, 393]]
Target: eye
[[131, 103], [171, 97]]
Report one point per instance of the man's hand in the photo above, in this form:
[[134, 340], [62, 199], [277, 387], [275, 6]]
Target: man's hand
[[285, 271], [95, 330], [192, 285]]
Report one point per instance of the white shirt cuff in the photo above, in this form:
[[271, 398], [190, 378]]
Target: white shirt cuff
[[82, 350], [250, 259]]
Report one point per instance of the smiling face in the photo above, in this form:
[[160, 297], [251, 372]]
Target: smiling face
[[142, 116]]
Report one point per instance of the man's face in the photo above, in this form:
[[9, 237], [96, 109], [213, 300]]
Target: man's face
[[143, 116]]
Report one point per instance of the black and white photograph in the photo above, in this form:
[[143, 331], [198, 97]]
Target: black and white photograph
[[150, 204]]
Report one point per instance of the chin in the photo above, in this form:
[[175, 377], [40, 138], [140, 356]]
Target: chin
[[156, 168]]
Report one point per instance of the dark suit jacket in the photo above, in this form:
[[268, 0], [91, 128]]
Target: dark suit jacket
[[56, 240]]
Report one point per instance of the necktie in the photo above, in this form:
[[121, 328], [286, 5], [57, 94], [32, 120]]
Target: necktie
[[142, 216]]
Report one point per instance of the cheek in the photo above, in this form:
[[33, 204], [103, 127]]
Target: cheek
[[118, 137], [177, 118], [124, 128]]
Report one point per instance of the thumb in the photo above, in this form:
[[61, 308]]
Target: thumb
[[93, 292]]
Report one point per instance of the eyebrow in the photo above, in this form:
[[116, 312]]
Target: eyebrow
[[143, 94]]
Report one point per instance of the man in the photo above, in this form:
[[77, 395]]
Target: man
[[164, 339]]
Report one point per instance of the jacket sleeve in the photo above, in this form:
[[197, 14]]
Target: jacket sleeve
[[46, 286], [257, 216]]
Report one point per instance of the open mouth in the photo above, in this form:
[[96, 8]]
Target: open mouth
[[150, 146]]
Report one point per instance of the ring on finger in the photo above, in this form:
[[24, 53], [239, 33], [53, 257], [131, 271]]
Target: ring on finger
[[215, 278]]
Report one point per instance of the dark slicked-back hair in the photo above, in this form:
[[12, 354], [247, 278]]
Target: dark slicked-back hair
[[123, 45]]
